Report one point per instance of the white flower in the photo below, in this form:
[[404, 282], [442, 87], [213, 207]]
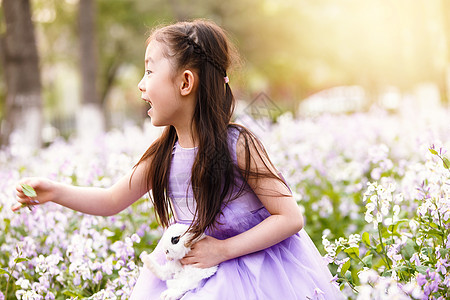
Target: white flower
[[413, 289], [413, 225], [368, 218], [398, 198], [371, 187], [354, 240], [396, 209], [135, 238], [367, 275], [374, 198], [23, 283], [384, 208], [379, 217], [370, 207], [391, 188]]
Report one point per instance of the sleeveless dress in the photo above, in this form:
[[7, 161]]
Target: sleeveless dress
[[292, 269]]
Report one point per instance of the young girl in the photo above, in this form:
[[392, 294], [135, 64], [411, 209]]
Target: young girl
[[210, 173]]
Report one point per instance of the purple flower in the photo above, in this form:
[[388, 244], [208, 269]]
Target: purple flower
[[421, 279], [415, 258], [77, 280], [442, 265]]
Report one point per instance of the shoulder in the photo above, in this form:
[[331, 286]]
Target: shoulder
[[249, 150]]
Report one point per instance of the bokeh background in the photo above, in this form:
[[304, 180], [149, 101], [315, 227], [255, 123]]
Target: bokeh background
[[350, 98], [308, 56]]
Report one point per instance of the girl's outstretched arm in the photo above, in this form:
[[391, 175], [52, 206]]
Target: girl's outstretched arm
[[89, 200], [285, 220]]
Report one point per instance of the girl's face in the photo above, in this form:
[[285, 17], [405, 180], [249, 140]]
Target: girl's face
[[159, 87]]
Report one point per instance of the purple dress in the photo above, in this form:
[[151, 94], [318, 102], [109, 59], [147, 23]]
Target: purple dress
[[291, 269]]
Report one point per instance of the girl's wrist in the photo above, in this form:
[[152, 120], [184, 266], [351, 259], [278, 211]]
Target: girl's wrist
[[57, 191], [225, 250]]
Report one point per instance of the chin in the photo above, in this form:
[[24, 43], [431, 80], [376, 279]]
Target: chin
[[158, 124]]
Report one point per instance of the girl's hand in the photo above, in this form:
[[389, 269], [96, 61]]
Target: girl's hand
[[45, 191], [205, 253]]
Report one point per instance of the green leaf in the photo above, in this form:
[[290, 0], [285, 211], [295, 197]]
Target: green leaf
[[422, 269], [444, 252], [379, 248], [345, 267], [2, 271], [20, 259], [446, 162], [366, 238], [389, 240], [368, 260], [28, 190], [353, 252], [355, 276], [348, 276], [408, 250], [72, 294], [434, 152], [396, 225]]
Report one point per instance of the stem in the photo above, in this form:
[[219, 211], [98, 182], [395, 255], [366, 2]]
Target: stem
[[350, 285], [440, 223], [386, 260], [382, 247], [443, 162], [365, 265], [11, 270]]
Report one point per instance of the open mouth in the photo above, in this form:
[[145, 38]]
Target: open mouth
[[148, 102]]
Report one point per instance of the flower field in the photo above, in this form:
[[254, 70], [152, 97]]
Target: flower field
[[374, 188]]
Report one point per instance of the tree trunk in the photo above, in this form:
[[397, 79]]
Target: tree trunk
[[23, 107], [90, 120]]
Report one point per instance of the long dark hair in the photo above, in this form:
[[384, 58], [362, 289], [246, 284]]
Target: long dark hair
[[203, 47]]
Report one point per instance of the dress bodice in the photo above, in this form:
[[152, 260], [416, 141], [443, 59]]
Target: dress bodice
[[181, 195]]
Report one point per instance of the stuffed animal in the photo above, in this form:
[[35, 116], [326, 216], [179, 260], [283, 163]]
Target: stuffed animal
[[179, 278]]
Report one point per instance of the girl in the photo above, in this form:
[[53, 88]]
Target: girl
[[211, 174]]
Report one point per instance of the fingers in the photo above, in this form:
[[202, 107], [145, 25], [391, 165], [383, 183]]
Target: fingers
[[16, 207], [22, 199], [189, 259]]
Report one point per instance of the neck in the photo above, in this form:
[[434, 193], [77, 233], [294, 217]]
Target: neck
[[185, 137]]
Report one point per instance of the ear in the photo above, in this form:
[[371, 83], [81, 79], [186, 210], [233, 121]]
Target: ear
[[188, 82]]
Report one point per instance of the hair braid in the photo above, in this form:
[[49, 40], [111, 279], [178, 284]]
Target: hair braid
[[205, 56]]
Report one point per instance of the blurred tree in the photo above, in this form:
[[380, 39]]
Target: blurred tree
[[2, 63], [290, 48], [121, 32], [90, 119], [23, 107]]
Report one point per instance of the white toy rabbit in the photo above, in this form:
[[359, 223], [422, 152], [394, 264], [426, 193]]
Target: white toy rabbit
[[179, 278]]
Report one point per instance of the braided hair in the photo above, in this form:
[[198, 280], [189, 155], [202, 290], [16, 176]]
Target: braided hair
[[205, 56]]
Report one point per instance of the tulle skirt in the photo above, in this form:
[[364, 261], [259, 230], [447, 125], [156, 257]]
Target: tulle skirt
[[291, 269]]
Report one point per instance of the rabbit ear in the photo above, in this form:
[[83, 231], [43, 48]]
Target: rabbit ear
[[187, 240]]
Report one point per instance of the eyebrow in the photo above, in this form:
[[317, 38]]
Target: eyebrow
[[149, 59]]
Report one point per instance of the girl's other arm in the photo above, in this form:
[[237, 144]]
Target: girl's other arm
[[284, 221], [89, 200]]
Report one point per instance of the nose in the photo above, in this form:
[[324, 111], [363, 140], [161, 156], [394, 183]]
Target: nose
[[141, 85]]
